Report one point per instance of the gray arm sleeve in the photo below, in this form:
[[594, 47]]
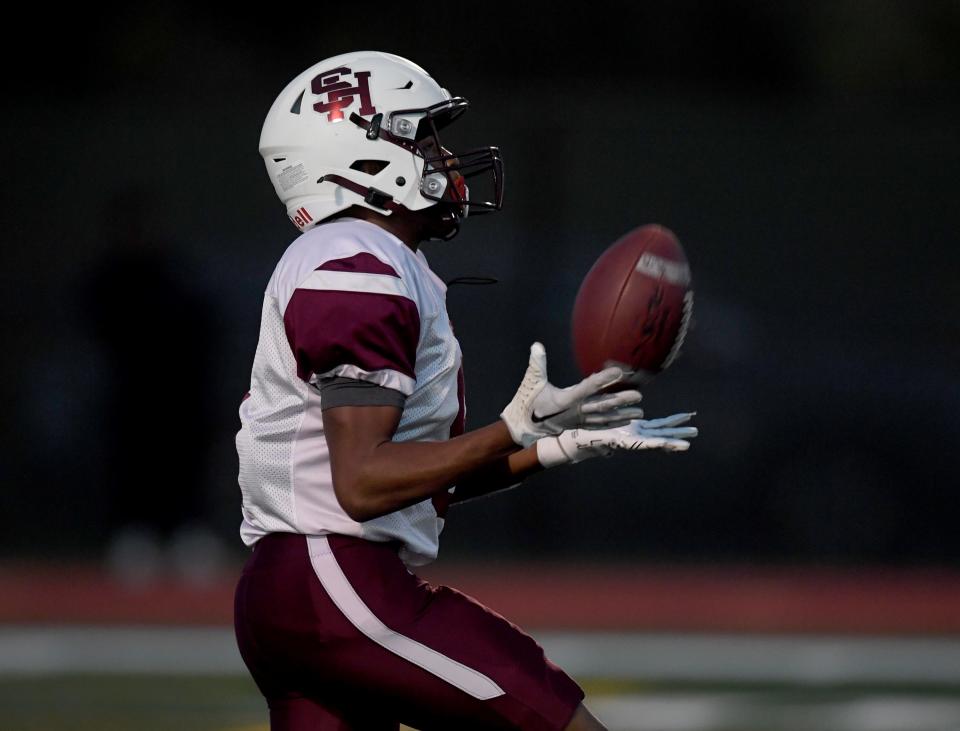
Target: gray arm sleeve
[[339, 391]]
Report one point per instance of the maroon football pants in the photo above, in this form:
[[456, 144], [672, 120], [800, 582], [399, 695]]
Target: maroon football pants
[[338, 634]]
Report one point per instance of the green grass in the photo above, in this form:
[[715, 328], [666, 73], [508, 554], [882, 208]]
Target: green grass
[[137, 703], [178, 703]]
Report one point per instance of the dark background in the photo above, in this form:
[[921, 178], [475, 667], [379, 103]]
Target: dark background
[[807, 154]]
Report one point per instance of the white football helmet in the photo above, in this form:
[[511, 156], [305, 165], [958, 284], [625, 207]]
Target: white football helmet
[[362, 129]]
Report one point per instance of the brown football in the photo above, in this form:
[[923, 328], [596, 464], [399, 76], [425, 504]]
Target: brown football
[[634, 306]]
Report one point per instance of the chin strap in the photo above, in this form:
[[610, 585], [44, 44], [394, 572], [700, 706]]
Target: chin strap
[[449, 223], [385, 202], [372, 196]]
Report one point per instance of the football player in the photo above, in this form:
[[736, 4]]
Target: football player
[[352, 443]]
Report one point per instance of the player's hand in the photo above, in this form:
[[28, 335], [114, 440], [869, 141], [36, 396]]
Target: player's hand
[[540, 409], [578, 444]]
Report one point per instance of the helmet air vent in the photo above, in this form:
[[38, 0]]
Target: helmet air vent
[[295, 109], [370, 167]]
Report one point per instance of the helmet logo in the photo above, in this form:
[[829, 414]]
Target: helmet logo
[[301, 218], [340, 94]]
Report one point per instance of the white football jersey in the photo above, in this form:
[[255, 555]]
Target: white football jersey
[[346, 299]]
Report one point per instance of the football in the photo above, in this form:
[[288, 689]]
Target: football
[[634, 306]]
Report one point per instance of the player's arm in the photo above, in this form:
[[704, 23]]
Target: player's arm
[[505, 472], [573, 446], [373, 476]]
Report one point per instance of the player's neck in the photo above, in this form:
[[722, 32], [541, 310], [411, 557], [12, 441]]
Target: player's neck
[[404, 229]]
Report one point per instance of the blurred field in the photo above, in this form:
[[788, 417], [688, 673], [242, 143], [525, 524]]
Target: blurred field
[[231, 703], [656, 649], [191, 679], [116, 702]]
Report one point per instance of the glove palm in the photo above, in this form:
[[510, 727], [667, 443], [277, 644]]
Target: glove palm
[[577, 445], [540, 409]]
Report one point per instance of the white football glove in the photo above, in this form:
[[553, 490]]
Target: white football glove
[[579, 444], [539, 408]]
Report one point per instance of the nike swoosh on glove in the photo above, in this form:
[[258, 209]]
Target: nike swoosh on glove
[[577, 445], [540, 409]]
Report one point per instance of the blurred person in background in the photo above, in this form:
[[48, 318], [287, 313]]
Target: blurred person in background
[[156, 336]]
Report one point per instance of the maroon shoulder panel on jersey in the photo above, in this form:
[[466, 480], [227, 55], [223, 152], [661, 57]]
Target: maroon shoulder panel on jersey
[[362, 263], [330, 328], [373, 331]]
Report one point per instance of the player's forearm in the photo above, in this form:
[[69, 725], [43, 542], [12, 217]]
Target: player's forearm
[[505, 472], [393, 475]]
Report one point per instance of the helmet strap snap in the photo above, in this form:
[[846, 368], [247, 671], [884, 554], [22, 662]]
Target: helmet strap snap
[[373, 130], [378, 198]]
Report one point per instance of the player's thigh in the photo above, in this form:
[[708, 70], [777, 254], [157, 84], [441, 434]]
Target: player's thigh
[[443, 659], [344, 623]]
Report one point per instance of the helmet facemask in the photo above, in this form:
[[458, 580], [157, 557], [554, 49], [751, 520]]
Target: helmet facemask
[[445, 174]]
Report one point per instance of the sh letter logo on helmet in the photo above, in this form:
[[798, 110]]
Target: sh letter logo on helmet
[[340, 94]]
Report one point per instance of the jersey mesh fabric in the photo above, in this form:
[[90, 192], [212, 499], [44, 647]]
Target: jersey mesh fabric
[[270, 415], [285, 476]]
